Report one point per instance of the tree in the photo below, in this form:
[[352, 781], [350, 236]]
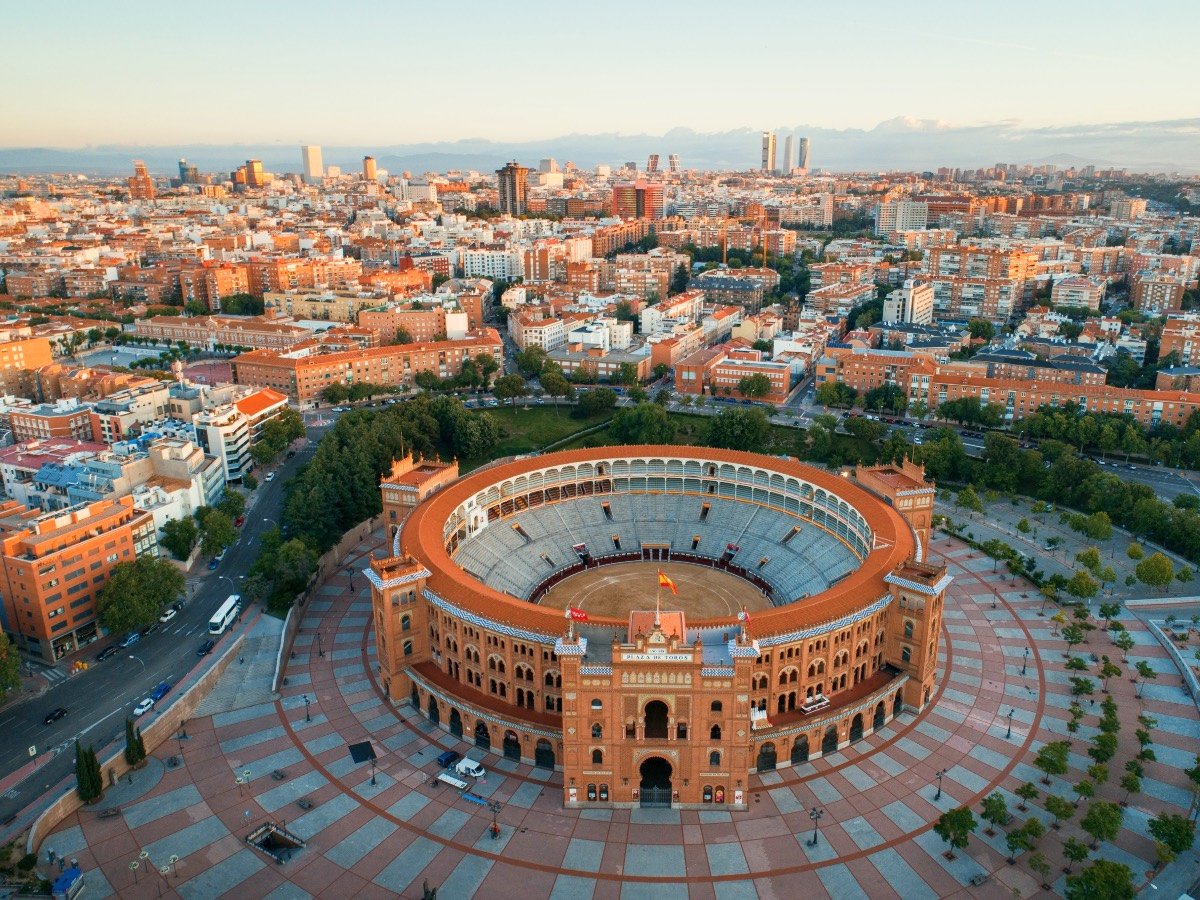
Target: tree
[[1089, 558], [1023, 526], [1082, 585], [216, 530], [531, 361], [1075, 851], [1109, 611], [739, 429], [1108, 669], [137, 592], [968, 499], [1155, 571], [1059, 807], [1102, 880], [1039, 865], [995, 812], [1052, 759], [1028, 792], [981, 329], [232, 503], [1145, 673], [554, 384], [135, 747], [1102, 821], [1176, 831], [1184, 575], [510, 387], [1131, 783], [955, 827], [754, 387], [646, 423], [334, 393], [403, 336], [179, 536], [595, 402], [1135, 551], [10, 667], [1017, 840], [1073, 635], [679, 280], [88, 782], [1104, 747], [1125, 643]]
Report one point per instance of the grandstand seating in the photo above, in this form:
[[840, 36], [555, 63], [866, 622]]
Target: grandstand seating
[[508, 561]]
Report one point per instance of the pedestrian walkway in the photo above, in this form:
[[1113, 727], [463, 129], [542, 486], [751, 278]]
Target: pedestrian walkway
[[387, 829], [247, 679]]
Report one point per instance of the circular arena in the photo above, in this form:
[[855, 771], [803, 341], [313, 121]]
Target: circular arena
[[523, 604]]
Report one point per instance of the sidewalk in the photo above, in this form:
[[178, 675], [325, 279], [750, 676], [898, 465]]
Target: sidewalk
[[246, 681]]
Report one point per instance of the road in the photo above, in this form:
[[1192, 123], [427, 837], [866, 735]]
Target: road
[[98, 699]]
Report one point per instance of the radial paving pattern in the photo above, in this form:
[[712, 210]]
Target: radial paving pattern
[[387, 838]]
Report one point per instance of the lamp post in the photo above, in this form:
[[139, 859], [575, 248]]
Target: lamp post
[[372, 771], [1025, 664], [350, 572], [133, 867], [320, 649], [1010, 715], [139, 662], [173, 859], [307, 717], [815, 814], [238, 781], [938, 776]]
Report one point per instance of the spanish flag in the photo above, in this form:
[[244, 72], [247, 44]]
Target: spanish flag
[[664, 581]]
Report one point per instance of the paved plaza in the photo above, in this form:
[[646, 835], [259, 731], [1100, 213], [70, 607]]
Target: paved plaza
[[385, 833]]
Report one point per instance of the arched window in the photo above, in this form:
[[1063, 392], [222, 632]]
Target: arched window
[[714, 758], [908, 629], [716, 706], [714, 733], [408, 648], [906, 654], [597, 704], [597, 757], [405, 622], [597, 731]]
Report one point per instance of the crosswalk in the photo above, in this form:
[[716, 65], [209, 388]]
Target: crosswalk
[[53, 675]]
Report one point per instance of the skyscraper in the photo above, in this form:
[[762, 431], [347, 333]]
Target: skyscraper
[[549, 164], [369, 168], [188, 173], [768, 151], [141, 185], [652, 163], [787, 154], [254, 174], [310, 162], [511, 184], [802, 157], [673, 162]]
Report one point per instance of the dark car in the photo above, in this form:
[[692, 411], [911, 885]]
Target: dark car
[[448, 758], [206, 648], [239, 521], [106, 653], [54, 715], [146, 629], [160, 690]]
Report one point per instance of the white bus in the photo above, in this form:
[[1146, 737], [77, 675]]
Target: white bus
[[224, 616]]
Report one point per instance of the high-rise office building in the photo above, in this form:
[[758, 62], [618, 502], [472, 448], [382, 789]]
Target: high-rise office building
[[786, 168], [549, 164], [310, 160], [652, 163], [768, 151], [802, 156], [141, 185], [188, 173], [511, 183], [369, 171], [637, 199], [254, 174], [673, 162]]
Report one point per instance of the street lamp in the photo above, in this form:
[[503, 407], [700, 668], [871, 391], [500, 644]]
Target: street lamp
[[139, 662], [372, 771], [238, 781], [350, 572], [938, 776], [307, 717], [133, 867], [173, 859], [815, 814], [1025, 664], [1010, 715], [320, 649]]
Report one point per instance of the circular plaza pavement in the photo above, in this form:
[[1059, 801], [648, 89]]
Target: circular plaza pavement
[[387, 835]]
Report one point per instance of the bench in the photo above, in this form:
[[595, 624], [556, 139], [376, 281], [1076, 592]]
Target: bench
[[304, 804], [279, 774], [110, 813]]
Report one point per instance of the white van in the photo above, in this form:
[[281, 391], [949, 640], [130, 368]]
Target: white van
[[470, 767]]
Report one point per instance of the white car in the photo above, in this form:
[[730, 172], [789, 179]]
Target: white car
[[143, 707], [168, 614], [270, 476]]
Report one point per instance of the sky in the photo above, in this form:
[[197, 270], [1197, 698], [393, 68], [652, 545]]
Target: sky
[[367, 71]]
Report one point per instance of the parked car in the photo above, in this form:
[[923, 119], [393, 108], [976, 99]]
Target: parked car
[[239, 521], [160, 690], [206, 648], [146, 629], [143, 707], [447, 758], [270, 476], [110, 650], [54, 715], [168, 614], [130, 639]]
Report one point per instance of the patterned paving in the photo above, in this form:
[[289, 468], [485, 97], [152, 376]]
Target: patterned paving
[[387, 838]]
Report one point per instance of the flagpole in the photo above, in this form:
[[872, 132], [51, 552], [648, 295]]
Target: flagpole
[[658, 605]]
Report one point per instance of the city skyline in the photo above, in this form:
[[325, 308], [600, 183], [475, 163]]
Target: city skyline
[[158, 73]]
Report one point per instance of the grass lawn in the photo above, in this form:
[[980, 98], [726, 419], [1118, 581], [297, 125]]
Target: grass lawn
[[528, 430]]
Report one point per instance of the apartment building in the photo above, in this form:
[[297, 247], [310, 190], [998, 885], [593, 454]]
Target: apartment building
[[55, 564], [302, 372], [209, 283], [742, 287], [838, 299], [600, 365], [231, 331], [323, 306], [21, 355], [1157, 293], [900, 215], [1181, 336], [1079, 291], [124, 413], [911, 303], [31, 421], [230, 430], [719, 370]]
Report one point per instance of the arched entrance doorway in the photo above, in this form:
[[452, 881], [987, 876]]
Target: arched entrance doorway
[[800, 750], [897, 705], [543, 754], [829, 742], [856, 727], [483, 737], [512, 746], [434, 716], [656, 782], [455, 723], [880, 715], [656, 719], [415, 697], [766, 757]]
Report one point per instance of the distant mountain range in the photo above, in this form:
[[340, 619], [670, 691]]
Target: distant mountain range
[[897, 144]]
